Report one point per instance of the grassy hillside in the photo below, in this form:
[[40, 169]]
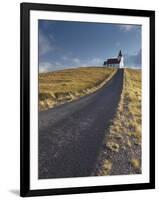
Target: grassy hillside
[[121, 152], [66, 85]]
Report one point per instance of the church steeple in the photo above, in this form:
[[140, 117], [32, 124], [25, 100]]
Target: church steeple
[[120, 54], [121, 59]]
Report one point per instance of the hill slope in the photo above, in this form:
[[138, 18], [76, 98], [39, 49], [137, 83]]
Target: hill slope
[[66, 85]]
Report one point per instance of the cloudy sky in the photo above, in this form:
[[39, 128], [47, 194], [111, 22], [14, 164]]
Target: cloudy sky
[[73, 44]]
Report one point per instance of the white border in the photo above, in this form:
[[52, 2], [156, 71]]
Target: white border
[[86, 181]]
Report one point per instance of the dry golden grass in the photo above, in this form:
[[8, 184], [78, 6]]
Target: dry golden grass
[[66, 85], [113, 146], [127, 123], [125, 131], [107, 166], [135, 163], [133, 106]]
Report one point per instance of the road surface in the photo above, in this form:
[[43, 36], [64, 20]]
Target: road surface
[[71, 135]]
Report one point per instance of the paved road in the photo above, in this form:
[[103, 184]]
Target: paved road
[[70, 135]]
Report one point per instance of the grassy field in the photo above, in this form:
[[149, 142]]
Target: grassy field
[[121, 151], [66, 85]]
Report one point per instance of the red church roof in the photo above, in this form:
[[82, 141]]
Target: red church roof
[[113, 61]]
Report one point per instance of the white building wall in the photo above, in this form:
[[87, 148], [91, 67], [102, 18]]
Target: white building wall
[[121, 65]]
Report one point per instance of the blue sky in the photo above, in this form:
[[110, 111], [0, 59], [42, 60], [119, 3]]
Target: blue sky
[[64, 44]]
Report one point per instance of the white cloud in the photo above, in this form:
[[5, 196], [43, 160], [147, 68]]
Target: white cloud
[[76, 60], [126, 27], [51, 66], [96, 61], [74, 63], [72, 60], [65, 58], [47, 66], [91, 62], [45, 44], [44, 67], [133, 60]]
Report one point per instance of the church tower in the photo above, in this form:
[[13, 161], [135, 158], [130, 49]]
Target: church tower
[[120, 57]]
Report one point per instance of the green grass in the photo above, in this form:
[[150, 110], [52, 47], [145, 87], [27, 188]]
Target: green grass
[[66, 85]]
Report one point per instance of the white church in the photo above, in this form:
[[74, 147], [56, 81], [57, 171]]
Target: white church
[[115, 62]]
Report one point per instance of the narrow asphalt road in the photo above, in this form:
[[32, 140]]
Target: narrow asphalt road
[[70, 135]]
